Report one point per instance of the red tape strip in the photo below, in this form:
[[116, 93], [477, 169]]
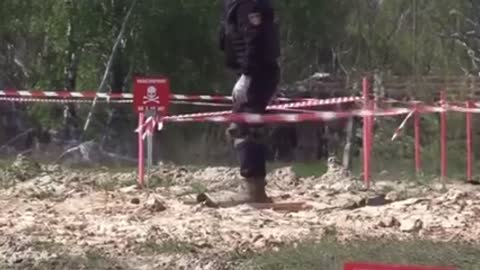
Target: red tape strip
[[54, 100]]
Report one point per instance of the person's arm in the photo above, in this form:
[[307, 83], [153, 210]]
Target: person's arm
[[251, 24]]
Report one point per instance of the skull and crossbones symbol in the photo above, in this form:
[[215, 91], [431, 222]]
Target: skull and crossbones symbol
[[151, 95]]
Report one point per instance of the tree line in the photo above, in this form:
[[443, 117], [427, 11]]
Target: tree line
[[68, 44]]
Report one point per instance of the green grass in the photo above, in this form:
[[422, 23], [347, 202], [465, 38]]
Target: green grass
[[91, 259], [152, 247], [327, 254], [154, 181], [330, 255], [303, 169], [198, 188], [105, 168], [5, 163], [310, 169]]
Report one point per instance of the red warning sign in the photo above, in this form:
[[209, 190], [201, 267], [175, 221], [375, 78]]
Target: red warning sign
[[370, 266], [151, 93]]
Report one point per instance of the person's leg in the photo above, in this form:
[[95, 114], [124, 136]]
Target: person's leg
[[251, 146]]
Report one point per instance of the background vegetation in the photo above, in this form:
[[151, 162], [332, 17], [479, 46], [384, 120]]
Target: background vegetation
[[67, 44]]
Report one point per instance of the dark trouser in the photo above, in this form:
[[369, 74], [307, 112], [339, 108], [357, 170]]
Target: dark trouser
[[249, 138]]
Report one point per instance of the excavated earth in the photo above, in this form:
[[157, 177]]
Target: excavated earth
[[48, 213]]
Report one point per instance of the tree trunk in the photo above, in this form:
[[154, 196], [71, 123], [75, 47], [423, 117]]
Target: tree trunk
[[70, 118], [117, 115], [12, 115]]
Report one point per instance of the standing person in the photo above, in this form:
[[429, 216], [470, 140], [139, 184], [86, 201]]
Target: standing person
[[250, 41]]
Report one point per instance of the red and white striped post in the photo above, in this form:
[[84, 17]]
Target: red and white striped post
[[141, 156], [151, 94], [469, 142]]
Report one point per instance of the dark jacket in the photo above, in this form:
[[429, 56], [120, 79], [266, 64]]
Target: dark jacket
[[249, 36]]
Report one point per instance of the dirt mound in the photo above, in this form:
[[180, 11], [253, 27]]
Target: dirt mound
[[106, 211]]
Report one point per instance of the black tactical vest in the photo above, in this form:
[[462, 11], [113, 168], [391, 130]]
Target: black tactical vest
[[233, 42]]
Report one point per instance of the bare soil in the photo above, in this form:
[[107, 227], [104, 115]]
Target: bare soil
[[56, 218]]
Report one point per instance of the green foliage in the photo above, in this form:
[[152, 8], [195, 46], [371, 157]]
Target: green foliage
[[330, 255], [178, 39]]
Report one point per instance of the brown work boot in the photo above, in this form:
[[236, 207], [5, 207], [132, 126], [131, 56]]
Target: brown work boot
[[251, 192], [256, 190]]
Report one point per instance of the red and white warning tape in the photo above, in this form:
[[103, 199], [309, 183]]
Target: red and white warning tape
[[93, 94], [402, 125], [149, 125], [224, 117], [209, 104], [63, 94], [56, 100], [227, 116], [431, 109], [463, 109], [128, 97], [288, 118], [125, 101], [301, 104]]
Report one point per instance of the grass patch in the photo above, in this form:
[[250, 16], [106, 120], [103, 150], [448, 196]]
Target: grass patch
[[330, 255], [45, 195], [195, 189], [6, 163], [155, 181], [6, 181], [198, 188], [303, 169], [151, 247], [91, 260], [310, 169], [49, 246], [108, 184]]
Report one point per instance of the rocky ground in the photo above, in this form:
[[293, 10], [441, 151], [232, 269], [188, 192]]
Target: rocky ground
[[51, 216]]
